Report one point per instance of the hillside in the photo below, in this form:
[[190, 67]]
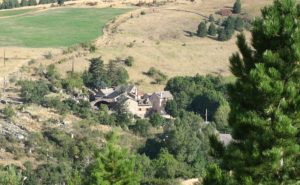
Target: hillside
[[143, 93]]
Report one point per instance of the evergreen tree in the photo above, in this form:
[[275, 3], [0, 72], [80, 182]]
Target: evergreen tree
[[239, 24], [265, 102], [212, 30], [43, 2], [211, 18], [202, 30], [5, 4], [237, 7], [24, 3], [114, 166], [229, 25], [32, 2], [60, 2], [222, 35], [97, 73]]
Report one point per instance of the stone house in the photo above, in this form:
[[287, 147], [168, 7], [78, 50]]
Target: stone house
[[139, 104], [159, 100]]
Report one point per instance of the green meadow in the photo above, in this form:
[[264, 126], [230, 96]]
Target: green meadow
[[5, 13], [60, 27]]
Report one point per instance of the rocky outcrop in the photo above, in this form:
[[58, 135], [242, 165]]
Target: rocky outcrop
[[10, 129]]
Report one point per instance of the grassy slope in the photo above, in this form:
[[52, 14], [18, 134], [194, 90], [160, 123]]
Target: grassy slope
[[56, 28], [5, 13]]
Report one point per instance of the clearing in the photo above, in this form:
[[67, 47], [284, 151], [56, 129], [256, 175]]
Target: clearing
[[57, 27]]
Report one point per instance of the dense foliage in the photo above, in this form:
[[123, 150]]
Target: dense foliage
[[100, 75], [113, 166], [198, 94]]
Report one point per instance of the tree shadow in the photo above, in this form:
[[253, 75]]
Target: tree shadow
[[189, 33], [215, 38]]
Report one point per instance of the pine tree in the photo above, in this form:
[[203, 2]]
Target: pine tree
[[229, 25], [32, 2], [43, 2], [265, 103], [98, 73], [237, 7], [212, 30], [222, 35], [24, 3], [239, 24], [114, 166], [5, 4], [60, 2], [202, 30], [211, 18]]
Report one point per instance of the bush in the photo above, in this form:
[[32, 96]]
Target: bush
[[72, 81], [33, 91], [141, 127], [129, 61], [156, 120], [48, 55], [32, 61], [9, 112], [157, 75], [92, 48]]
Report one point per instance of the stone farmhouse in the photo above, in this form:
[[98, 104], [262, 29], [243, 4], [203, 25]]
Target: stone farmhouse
[[138, 103]]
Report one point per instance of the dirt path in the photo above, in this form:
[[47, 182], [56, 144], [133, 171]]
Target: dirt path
[[190, 181]]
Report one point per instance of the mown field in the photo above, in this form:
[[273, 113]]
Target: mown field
[[56, 27], [5, 13]]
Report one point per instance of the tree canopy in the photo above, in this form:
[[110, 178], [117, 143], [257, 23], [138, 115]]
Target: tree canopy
[[114, 166], [265, 102]]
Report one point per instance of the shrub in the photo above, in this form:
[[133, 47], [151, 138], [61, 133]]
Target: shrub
[[72, 81], [32, 61], [129, 61], [141, 127], [33, 91], [48, 55], [157, 75], [152, 71], [130, 45], [92, 48], [156, 120], [9, 112]]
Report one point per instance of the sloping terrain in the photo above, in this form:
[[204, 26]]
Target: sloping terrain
[[56, 27]]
